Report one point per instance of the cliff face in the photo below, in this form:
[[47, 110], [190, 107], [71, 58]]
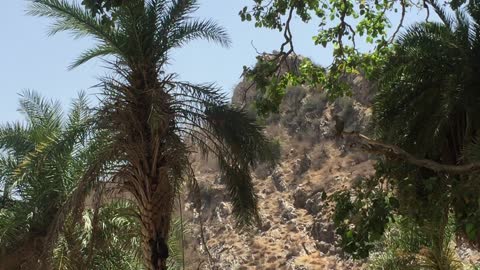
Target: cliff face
[[296, 232]]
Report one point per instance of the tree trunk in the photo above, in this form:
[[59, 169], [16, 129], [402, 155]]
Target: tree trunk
[[155, 226], [26, 255]]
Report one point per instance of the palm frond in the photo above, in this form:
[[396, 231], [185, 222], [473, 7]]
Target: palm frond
[[40, 111], [69, 17], [90, 54], [175, 244], [442, 13], [199, 29], [14, 138], [73, 18], [176, 13], [205, 118]]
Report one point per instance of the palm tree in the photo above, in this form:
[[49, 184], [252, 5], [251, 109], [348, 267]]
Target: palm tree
[[152, 120], [428, 104], [42, 162]]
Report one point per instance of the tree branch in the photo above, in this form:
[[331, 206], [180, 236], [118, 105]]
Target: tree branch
[[400, 24], [396, 152]]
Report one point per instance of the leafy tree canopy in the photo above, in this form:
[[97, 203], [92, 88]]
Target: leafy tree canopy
[[343, 24], [426, 104]]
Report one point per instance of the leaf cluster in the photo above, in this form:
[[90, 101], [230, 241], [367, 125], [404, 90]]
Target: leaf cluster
[[361, 215]]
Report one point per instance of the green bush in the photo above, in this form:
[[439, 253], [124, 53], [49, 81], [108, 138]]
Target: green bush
[[401, 241], [406, 245], [361, 216]]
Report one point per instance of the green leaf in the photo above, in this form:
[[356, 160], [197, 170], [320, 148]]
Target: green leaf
[[471, 231]]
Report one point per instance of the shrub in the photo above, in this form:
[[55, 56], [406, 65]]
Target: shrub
[[397, 249], [292, 101], [406, 245], [361, 216], [344, 108], [315, 104]]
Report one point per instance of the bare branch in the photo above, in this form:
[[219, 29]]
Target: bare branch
[[396, 152], [255, 48], [400, 24]]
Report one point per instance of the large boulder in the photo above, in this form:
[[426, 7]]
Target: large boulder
[[362, 89], [223, 210]]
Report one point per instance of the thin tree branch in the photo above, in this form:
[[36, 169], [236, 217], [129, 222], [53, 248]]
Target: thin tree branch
[[400, 24]]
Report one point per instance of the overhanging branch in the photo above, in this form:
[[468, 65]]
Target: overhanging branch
[[396, 152]]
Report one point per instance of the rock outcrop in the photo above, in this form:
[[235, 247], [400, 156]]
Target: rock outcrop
[[297, 232]]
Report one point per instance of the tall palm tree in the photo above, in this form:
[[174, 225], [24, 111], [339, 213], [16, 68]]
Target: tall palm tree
[[152, 119], [428, 104]]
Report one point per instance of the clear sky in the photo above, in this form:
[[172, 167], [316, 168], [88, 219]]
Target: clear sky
[[29, 59]]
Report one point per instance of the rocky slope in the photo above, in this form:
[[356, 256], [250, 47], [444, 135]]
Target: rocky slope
[[297, 232]]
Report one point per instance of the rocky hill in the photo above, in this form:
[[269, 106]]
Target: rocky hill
[[297, 232]]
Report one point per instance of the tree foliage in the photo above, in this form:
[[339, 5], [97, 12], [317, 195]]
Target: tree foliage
[[344, 25], [152, 120], [426, 106], [42, 164], [361, 215]]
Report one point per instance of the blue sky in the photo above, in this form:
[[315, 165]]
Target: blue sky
[[29, 59]]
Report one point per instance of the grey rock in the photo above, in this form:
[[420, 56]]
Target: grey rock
[[309, 248], [225, 209], [277, 178], [333, 250], [263, 170], [314, 204], [347, 116], [292, 225], [323, 230], [266, 224], [268, 191], [302, 165], [291, 254], [300, 197], [323, 247], [287, 210]]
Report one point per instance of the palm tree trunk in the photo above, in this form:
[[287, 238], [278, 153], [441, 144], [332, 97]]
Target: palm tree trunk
[[155, 226]]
